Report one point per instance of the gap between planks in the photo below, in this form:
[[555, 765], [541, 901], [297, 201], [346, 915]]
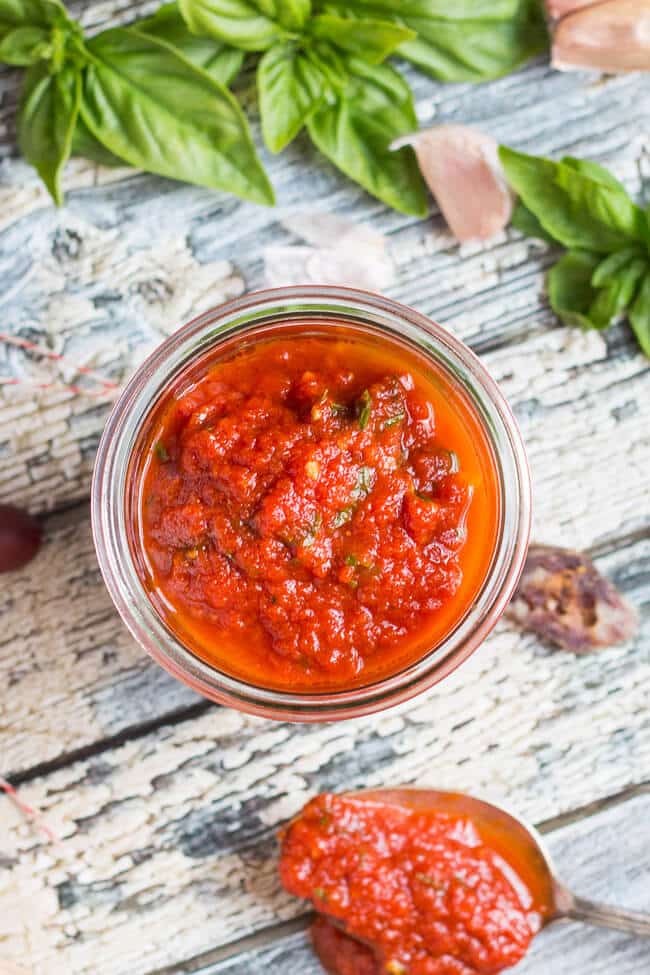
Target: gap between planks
[[179, 715]]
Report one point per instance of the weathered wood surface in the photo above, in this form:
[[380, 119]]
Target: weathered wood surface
[[167, 841], [132, 256], [74, 673]]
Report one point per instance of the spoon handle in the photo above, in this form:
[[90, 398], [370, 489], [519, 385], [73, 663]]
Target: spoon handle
[[604, 916]]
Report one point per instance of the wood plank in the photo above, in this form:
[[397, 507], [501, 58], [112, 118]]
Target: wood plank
[[167, 846], [131, 256], [606, 857], [75, 674]]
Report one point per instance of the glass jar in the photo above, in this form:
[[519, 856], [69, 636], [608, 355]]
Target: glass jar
[[247, 319]]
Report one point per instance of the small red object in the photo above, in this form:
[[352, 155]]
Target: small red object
[[20, 537], [338, 953]]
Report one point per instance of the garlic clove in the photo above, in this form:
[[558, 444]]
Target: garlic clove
[[560, 8], [612, 36], [462, 169]]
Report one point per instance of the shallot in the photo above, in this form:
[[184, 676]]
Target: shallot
[[565, 600]]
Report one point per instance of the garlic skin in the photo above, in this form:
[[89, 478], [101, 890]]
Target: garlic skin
[[461, 168], [336, 252], [612, 36], [560, 8]]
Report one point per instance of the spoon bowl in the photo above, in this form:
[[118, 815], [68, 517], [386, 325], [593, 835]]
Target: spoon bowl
[[522, 849]]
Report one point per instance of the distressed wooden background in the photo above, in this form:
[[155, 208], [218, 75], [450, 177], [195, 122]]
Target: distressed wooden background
[[166, 806]]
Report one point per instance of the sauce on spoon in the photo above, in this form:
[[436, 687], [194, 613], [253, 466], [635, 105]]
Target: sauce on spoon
[[425, 891]]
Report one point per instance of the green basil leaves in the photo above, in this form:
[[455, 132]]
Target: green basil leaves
[[150, 106], [246, 24], [154, 94], [355, 128], [372, 40], [640, 315], [34, 30], [605, 274], [46, 121], [23, 46], [570, 290], [291, 84], [222, 62], [467, 40]]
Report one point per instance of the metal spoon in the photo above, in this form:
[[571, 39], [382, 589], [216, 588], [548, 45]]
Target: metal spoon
[[526, 853]]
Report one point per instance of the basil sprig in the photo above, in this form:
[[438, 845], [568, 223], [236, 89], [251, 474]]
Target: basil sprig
[[152, 95], [461, 40], [355, 128], [46, 121], [148, 104], [323, 70], [605, 274], [31, 30]]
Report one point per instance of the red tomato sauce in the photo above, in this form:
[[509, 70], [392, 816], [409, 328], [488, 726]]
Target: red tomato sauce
[[425, 890], [340, 954], [314, 512]]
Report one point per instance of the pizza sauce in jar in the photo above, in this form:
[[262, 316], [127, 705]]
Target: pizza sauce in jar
[[314, 511]]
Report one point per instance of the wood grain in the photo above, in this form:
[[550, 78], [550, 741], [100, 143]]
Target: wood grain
[[167, 841], [606, 857], [132, 256], [76, 676]]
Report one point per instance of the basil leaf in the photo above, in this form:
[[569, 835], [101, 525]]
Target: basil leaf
[[291, 87], [26, 29], [640, 315], [238, 22], [527, 223], [610, 266], [46, 120], [594, 171], [476, 50], [570, 291], [23, 46], [150, 106], [331, 63], [372, 40], [471, 40], [219, 60], [85, 144], [292, 14], [613, 299], [30, 13], [611, 206], [355, 130], [627, 281], [604, 307], [577, 213], [441, 9]]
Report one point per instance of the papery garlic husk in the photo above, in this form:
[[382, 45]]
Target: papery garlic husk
[[337, 252], [560, 8], [613, 36], [461, 168]]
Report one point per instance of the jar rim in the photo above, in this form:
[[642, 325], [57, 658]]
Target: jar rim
[[237, 317]]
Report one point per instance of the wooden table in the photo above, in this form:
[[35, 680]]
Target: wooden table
[[166, 806]]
